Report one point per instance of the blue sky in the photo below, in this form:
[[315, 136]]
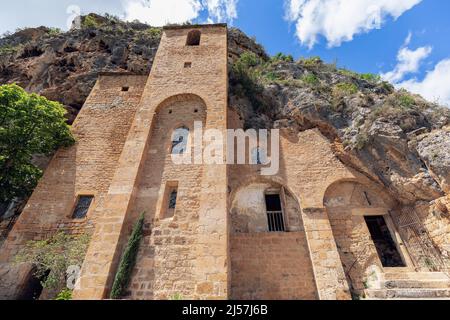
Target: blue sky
[[405, 41]]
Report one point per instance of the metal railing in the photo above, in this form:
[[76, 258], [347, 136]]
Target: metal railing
[[276, 221]]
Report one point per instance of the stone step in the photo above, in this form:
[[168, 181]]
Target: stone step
[[418, 284], [407, 293], [415, 276]]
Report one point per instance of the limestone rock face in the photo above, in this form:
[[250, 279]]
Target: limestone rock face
[[396, 139], [434, 150], [65, 66]]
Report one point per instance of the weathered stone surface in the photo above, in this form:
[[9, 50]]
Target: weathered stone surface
[[434, 149], [342, 156]]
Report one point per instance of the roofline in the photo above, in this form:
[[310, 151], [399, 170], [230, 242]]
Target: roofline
[[119, 73], [195, 26]]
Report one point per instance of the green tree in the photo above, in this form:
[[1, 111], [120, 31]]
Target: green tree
[[29, 125], [128, 260], [53, 256]]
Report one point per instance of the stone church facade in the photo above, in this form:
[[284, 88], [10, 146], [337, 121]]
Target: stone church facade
[[315, 230]]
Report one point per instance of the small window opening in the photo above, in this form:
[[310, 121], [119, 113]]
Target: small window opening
[[196, 110], [170, 200], [193, 38], [188, 64], [173, 199], [385, 245], [82, 207], [179, 140], [170, 111], [274, 213], [125, 89]]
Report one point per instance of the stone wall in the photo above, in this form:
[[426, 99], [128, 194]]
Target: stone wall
[[355, 246], [307, 168], [85, 168], [166, 260], [178, 71], [271, 266]]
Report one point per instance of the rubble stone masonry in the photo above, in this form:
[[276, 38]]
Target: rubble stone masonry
[[215, 243]]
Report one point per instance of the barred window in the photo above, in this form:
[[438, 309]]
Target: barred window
[[275, 213], [82, 207]]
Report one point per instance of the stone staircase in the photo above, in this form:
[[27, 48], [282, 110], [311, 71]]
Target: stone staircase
[[410, 286]]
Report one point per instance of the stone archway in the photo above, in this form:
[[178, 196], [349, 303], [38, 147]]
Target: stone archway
[[353, 208], [264, 264]]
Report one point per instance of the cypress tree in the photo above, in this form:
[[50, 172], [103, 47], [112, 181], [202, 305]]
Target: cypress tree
[[128, 260]]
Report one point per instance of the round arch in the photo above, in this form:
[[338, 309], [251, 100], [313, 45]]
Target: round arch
[[179, 98], [343, 186], [260, 179]]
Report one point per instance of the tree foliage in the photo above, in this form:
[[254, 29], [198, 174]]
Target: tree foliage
[[65, 294], [128, 260], [29, 125], [53, 256]]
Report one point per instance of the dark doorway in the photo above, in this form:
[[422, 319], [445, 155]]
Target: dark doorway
[[32, 287], [386, 248]]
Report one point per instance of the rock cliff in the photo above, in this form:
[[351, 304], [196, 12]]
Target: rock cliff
[[395, 138]]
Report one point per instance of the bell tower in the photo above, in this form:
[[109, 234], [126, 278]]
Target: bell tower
[[188, 82]]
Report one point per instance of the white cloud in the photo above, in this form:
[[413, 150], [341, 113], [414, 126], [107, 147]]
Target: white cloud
[[161, 12], [435, 86], [221, 10], [340, 20], [409, 61]]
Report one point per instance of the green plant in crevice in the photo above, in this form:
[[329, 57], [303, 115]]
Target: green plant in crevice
[[311, 79], [54, 31], [128, 260], [311, 62], [281, 57], [405, 101], [90, 22], [370, 77], [153, 32], [176, 296], [246, 73], [345, 89], [8, 49], [65, 294], [361, 140]]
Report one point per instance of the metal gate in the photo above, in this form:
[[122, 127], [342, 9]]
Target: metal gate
[[422, 250]]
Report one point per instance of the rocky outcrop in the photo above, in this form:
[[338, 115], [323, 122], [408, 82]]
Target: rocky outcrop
[[434, 149], [396, 139], [64, 66]]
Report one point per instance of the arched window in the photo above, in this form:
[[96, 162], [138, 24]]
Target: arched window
[[259, 156], [180, 140], [193, 38]]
